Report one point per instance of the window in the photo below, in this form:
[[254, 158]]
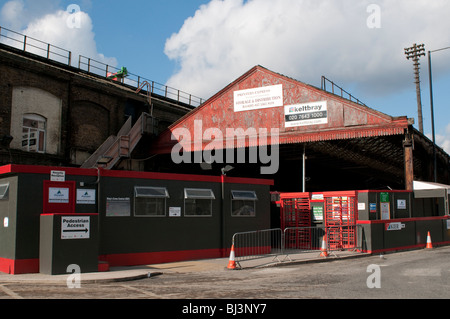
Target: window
[[198, 202], [150, 201], [33, 133], [243, 203], [4, 191]]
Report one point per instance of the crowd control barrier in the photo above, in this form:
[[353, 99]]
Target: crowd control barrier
[[280, 244], [257, 244]]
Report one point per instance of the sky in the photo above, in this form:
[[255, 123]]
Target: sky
[[200, 46]]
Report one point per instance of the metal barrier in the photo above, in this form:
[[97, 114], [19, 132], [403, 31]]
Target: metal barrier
[[301, 239], [332, 238], [258, 244], [295, 240]]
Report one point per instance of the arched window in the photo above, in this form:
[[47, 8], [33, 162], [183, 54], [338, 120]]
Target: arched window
[[33, 133]]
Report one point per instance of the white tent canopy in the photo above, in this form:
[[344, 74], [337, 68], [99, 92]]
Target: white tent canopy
[[432, 190]]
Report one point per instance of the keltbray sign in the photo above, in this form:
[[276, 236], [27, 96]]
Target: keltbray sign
[[313, 113], [75, 227]]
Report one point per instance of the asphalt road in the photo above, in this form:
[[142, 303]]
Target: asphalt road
[[418, 274]]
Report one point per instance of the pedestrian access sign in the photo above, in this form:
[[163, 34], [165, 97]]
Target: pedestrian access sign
[[75, 227]]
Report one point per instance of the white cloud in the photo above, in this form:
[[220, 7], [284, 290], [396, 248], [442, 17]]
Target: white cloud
[[443, 139], [10, 14], [306, 39], [71, 31]]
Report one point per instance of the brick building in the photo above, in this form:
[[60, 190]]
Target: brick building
[[53, 113]]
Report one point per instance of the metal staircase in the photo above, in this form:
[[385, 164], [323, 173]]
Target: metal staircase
[[117, 147]]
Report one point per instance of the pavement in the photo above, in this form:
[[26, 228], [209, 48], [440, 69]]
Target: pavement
[[130, 273]]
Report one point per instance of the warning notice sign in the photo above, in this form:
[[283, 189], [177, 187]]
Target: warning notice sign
[[75, 227]]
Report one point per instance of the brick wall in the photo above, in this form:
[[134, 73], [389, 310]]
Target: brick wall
[[92, 108]]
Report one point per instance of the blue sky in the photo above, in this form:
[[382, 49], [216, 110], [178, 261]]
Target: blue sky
[[200, 46]]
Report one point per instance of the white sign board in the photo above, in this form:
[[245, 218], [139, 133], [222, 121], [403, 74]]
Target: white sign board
[[86, 196], [395, 226], [57, 176], [258, 98], [306, 114], [75, 227], [385, 211], [58, 195], [174, 211], [401, 203]]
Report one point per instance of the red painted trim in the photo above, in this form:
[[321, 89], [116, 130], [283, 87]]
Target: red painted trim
[[63, 208], [37, 169], [401, 220], [32, 169], [69, 214], [253, 181], [294, 195], [418, 246], [325, 194], [164, 176], [384, 191], [135, 259], [5, 169], [28, 266], [7, 265], [184, 177], [19, 266]]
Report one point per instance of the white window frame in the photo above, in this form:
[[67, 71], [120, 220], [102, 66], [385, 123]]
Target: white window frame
[[4, 191], [163, 194], [209, 195], [30, 131], [238, 195]]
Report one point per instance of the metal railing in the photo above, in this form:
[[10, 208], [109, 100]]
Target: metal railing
[[277, 243], [138, 82], [92, 66], [35, 46], [258, 244], [336, 238], [336, 88]]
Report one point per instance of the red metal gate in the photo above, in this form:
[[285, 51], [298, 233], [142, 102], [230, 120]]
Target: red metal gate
[[296, 214], [340, 220]]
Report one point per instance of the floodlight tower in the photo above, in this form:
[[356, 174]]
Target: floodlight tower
[[414, 53]]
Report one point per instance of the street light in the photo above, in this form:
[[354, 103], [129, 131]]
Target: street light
[[224, 171], [432, 110], [414, 53]]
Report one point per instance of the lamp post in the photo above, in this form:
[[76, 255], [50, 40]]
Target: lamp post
[[432, 110], [224, 171]]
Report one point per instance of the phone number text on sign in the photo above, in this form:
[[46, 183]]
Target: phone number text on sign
[[306, 114]]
